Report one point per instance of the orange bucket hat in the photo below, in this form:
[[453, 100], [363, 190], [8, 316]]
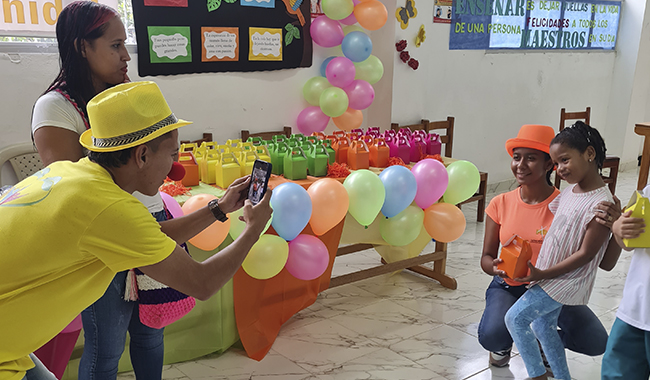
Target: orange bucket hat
[[532, 136]]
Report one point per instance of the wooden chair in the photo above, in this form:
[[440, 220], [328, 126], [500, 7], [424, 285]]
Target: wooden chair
[[245, 134], [611, 162], [448, 140], [207, 137]]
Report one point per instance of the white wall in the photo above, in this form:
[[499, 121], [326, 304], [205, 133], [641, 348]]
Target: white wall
[[492, 94]]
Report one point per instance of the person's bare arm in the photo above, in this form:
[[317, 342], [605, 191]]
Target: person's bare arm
[[610, 258], [57, 144], [489, 258], [627, 227], [204, 279], [183, 228], [594, 238]]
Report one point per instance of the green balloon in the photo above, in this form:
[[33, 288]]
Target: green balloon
[[333, 101], [464, 180], [371, 70], [354, 28], [314, 88], [366, 195], [403, 228], [237, 226], [337, 9]]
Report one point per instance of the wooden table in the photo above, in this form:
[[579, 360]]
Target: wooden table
[[643, 129]]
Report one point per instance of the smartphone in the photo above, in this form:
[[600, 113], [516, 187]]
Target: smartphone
[[259, 181]]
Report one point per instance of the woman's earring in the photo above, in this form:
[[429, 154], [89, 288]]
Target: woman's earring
[[590, 160]]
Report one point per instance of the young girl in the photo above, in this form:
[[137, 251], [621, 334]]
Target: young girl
[[569, 257]]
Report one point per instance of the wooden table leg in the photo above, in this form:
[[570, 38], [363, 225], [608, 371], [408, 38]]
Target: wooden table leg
[[645, 164]]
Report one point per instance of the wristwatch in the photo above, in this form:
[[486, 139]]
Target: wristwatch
[[213, 205]]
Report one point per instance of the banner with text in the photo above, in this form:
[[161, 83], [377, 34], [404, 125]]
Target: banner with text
[[534, 24], [34, 18]]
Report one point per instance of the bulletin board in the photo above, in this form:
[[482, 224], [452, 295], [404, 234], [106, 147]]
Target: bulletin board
[[199, 36]]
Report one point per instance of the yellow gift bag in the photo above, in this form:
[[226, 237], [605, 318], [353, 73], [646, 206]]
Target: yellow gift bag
[[640, 207]]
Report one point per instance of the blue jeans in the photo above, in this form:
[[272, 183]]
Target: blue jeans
[[534, 317], [628, 353], [105, 325], [39, 372], [580, 329]]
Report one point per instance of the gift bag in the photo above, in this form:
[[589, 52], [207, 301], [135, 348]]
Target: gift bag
[[640, 207], [515, 255]]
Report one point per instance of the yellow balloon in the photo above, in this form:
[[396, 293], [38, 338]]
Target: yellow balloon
[[267, 257]]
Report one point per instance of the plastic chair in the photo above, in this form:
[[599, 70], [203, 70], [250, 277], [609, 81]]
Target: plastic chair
[[611, 162], [24, 160]]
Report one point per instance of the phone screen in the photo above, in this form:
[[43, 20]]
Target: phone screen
[[259, 181]]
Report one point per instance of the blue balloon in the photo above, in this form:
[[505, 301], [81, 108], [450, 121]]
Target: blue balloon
[[401, 187], [323, 65], [356, 46], [291, 210]]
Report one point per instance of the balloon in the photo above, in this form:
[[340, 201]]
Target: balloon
[[356, 46], [367, 195], [326, 32], [291, 210], [311, 119], [323, 66], [464, 180], [431, 176], [444, 222], [403, 228], [360, 94], [351, 119], [333, 102], [313, 88], [330, 203], [401, 187], [211, 237], [340, 72], [372, 15], [371, 70], [352, 28], [171, 204], [267, 257], [337, 9], [237, 226], [308, 257]]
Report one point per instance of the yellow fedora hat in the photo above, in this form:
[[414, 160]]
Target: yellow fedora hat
[[128, 115]]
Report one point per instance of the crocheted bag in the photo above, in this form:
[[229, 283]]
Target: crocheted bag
[[159, 305]]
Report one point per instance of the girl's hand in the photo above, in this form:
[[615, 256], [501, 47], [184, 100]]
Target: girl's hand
[[534, 275], [496, 271], [607, 213], [628, 228]]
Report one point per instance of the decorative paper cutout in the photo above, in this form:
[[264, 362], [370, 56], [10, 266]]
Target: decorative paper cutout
[[265, 44], [292, 32], [219, 44], [169, 44], [258, 3], [404, 14], [213, 5], [419, 39], [166, 3], [293, 7]]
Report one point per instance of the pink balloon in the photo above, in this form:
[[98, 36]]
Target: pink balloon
[[340, 72], [351, 19], [326, 32], [308, 257], [432, 179], [360, 94], [311, 120], [171, 204]]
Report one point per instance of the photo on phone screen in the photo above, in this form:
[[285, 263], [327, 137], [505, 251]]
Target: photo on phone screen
[[259, 181]]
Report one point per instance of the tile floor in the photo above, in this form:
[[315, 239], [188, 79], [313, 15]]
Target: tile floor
[[400, 326]]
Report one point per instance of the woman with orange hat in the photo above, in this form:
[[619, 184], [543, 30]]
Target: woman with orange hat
[[524, 211]]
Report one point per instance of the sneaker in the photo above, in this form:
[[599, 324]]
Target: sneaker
[[500, 359]]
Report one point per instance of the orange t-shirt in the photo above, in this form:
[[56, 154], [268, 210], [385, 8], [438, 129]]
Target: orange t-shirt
[[513, 216]]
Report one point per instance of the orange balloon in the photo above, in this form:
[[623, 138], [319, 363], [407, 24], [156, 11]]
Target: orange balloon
[[211, 237], [351, 119], [444, 222], [371, 15], [329, 202]]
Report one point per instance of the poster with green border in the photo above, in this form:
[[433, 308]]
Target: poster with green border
[[169, 44]]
